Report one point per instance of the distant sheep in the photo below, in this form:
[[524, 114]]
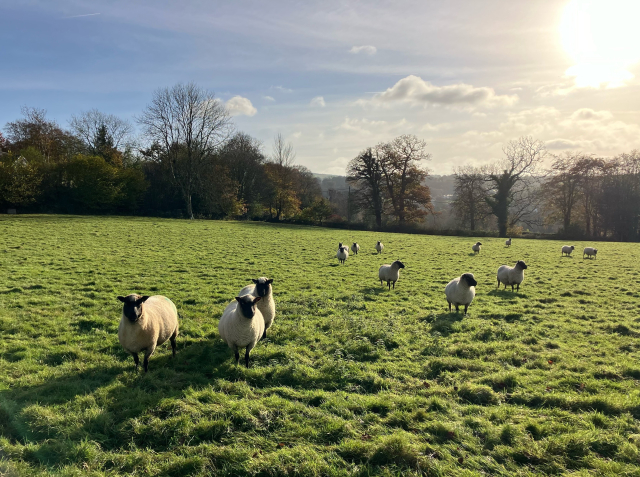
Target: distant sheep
[[342, 254], [568, 249], [476, 247], [355, 248], [590, 252], [513, 276], [379, 247], [390, 273], [507, 242], [242, 325], [262, 288], [461, 291], [147, 322]]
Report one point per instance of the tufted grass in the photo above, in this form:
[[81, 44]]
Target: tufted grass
[[353, 379]]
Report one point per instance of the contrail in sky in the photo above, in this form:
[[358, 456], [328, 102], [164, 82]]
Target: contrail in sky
[[85, 15]]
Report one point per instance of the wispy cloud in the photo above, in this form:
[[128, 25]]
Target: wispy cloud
[[366, 49], [318, 101], [83, 15]]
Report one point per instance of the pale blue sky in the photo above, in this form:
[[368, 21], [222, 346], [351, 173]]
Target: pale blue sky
[[336, 76]]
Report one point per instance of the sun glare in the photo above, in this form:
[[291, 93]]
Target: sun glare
[[603, 39]]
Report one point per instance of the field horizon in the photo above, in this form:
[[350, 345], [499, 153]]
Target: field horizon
[[353, 379]]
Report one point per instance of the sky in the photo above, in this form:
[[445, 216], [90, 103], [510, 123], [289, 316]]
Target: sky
[[335, 77]]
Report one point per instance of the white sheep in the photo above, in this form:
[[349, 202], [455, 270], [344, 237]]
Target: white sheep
[[590, 252], [342, 254], [262, 288], [379, 247], [476, 247], [508, 242], [461, 291], [513, 276], [147, 322], [390, 273], [567, 249], [242, 325], [355, 248]]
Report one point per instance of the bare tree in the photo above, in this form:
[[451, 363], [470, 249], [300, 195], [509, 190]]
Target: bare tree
[[95, 127], [189, 123], [283, 153], [403, 176], [470, 205], [513, 195], [281, 172], [561, 191], [365, 173]]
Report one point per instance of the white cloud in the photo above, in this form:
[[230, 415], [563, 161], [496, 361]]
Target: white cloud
[[268, 98], [239, 106], [297, 134], [562, 144], [369, 50], [414, 90], [587, 114], [282, 89], [318, 101]]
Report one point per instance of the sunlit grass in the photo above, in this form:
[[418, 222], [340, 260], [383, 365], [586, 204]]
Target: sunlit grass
[[353, 380]]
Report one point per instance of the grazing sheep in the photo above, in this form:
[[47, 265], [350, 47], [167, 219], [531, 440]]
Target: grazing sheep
[[262, 288], [390, 273], [590, 252], [342, 254], [355, 248], [507, 242], [461, 291], [147, 322], [242, 325], [476, 247], [567, 249], [379, 247], [513, 276]]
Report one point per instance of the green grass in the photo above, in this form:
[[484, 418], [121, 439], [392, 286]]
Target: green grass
[[353, 380]]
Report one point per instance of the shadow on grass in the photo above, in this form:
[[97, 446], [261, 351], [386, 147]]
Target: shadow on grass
[[444, 322], [506, 294]]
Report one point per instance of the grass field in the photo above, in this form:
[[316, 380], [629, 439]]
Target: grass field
[[353, 379]]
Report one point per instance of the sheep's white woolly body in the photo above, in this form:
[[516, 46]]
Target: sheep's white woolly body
[[267, 305], [476, 247], [567, 249], [507, 242], [239, 331], [513, 276], [355, 248], [390, 273], [157, 323], [590, 252], [379, 247], [342, 254], [459, 292]]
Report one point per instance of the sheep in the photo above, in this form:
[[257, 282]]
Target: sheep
[[507, 242], [147, 322], [476, 247], [390, 273], [461, 291], [355, 248], [242, 325], [262, 288], [567, 249], [590, 252], [342, 254], [379, 247], [513, 276]]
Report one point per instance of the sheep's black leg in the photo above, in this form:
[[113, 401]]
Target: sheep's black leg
[[466, 307], [246, 357], [264, 335], [237, 356], [505, 286], [498, 283], [449, 306], [511, 287], [389, 284], [518, 287], [145, 363], [136, 359], [394, 285], [457, 308], [173, 345]]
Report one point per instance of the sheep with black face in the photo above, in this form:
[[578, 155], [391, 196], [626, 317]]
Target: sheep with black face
[[242, 325], [355, 248], [476, 247], [379, 247], [461, 291], [262, 287], [147, 322], [513, 276], [342, 254], [390, 273]]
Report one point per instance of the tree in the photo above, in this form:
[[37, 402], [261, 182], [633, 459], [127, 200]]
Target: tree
[[283, 200], [365, 173], [403, 176], [20, 181], [243, 157], [561, 191], [513, 196], [189, 123], [306, 186], [103, 134], [469, 203]]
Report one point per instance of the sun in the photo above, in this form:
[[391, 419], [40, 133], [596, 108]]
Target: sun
[[603, 39]]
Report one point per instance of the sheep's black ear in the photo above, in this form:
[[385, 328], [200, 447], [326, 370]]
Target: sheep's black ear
[[270, 281], [257, 299], [255, 280], [121, 298], [144, 298], [238, 299]]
